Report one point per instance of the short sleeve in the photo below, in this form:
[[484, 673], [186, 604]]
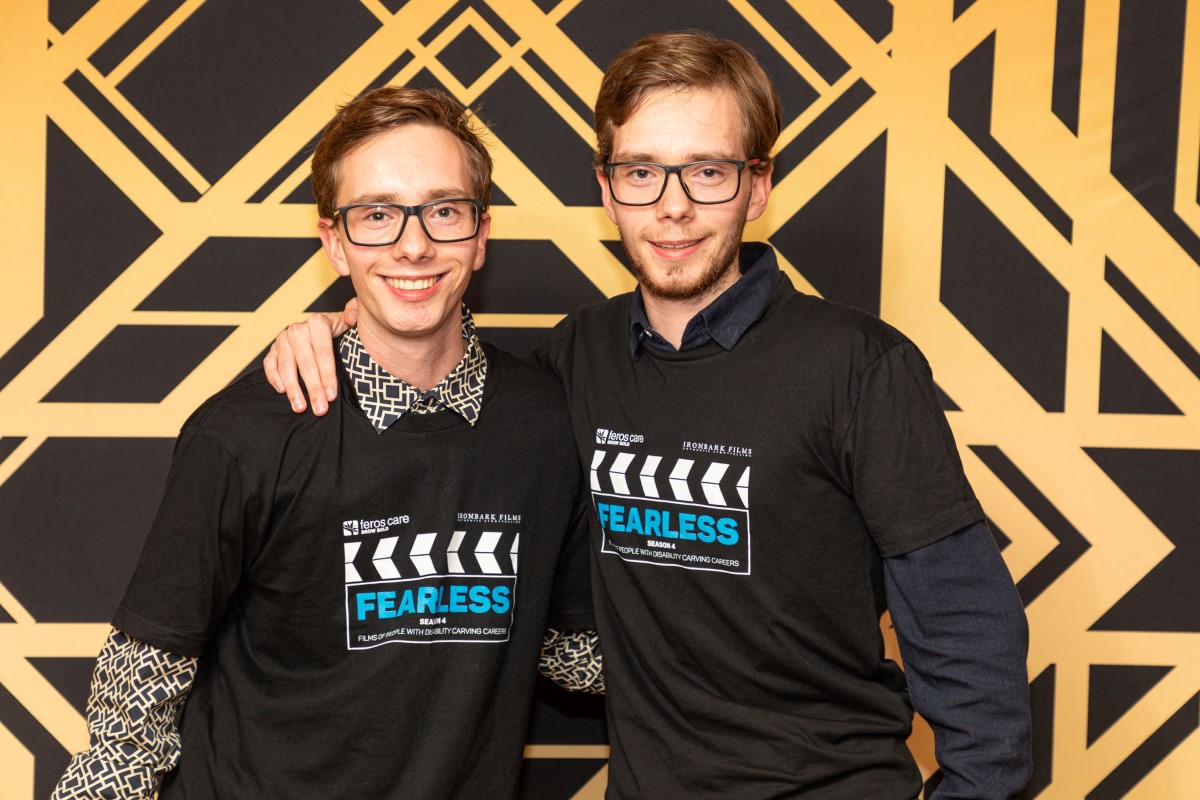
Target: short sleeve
[[571, 602], [193, 557], [900, 459]]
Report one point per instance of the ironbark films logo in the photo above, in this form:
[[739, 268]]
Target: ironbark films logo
[[1011, 183]]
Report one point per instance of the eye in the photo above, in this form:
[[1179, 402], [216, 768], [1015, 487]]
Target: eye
[[373, 216], [711, 172]]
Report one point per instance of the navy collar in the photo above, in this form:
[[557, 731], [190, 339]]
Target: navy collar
[[726, 318]]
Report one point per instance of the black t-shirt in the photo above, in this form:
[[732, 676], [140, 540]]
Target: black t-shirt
[[742, 503], [367, 608]]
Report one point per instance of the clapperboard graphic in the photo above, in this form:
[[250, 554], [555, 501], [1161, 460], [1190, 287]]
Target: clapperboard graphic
[[692, 513], [456, 586]]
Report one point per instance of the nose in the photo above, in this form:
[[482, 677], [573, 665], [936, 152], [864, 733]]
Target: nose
[[674, 201], [413, 244]]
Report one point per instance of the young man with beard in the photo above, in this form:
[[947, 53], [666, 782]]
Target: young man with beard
[[353, 605], [769, 472]]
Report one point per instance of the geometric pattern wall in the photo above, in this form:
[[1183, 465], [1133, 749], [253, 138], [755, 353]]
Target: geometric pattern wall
[[1012, 183]]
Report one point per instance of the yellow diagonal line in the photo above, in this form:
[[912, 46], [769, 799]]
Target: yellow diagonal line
[[1135, 726], [539, 32], [378, 9], [594, 789], [294, 130], [863, 53], [8, 600], [151, 42], [820, 167], [86, 36], [166, 149], [777, 41], [1030, 541], [106, 151]]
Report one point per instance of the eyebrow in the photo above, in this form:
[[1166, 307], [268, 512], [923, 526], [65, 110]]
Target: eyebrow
[[689, 158], [392, 198]]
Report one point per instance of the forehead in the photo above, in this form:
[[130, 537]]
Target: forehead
[[409, 163], [674, 125]]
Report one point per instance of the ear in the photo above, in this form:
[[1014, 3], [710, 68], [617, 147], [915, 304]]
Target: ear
[[606, 194], [485, 228], [331, 239], [760, 190]]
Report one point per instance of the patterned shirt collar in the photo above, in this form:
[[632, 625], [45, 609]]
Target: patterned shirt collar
[[726, 318], [384, 398]]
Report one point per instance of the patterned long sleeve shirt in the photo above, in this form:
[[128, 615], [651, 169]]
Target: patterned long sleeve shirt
[[138, 691]]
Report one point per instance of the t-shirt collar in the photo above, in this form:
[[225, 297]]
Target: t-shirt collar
[[384, 398]]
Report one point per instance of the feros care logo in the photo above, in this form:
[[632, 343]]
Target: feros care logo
[[350, 527], [616, 439]]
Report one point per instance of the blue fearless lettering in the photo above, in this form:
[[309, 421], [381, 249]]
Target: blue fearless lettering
[[687, 526], [441, 607], [479, 599], [633, 522], [727, 526], [616, 518], [366, 601], [387, 604], [500, 602], [458, 595], [407, 606], [426, 599]]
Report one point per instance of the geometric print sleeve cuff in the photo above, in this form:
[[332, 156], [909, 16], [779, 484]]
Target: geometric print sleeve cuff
[[138, 692], [384, 398], [573, 660]]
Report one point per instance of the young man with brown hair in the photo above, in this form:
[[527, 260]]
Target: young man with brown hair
[[356, 603], [769, 471]]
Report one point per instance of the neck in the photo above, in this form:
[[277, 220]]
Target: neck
[[421, 363], [669, 318]]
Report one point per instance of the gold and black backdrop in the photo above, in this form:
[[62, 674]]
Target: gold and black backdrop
[[1013, 183]]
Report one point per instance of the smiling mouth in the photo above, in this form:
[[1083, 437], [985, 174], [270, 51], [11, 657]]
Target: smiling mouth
[[677, 245], [412, 285]]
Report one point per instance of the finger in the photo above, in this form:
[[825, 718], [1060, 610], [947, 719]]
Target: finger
[[337, 323], [351, 313], [285, 368], [321, 336], [301, 337], [270, 366]]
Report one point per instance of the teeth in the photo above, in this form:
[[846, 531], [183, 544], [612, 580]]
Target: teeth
[[400, 283], [676, 246]]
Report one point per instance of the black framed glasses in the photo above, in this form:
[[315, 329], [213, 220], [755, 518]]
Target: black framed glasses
[[454, 219], [642, 183]]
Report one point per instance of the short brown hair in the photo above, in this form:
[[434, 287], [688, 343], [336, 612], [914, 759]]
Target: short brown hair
[[383, 109], [689, 60]]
